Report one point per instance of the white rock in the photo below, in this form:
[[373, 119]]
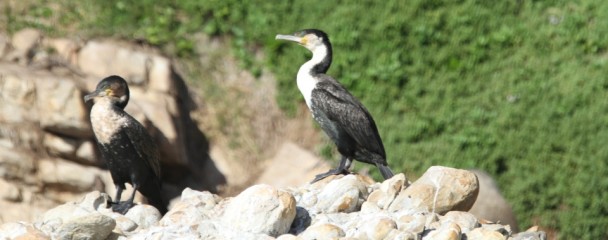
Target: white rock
[[123, 223], [65, 174], [102, 59], [193, 208], [388, 190], [377, 228], [345, 194], [60, 147], [161, 75], [448, 231], [440, 189], [86, 153], [26, 39], [21, 231], [5, 45], [65, 48], [61, 106], [261, 209], [15, 164], [466, 221], [18, 95], [144, 215], [92, 226], [322, 231], [9, 191], [484, 234]]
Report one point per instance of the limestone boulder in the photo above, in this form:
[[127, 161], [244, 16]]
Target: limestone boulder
[[261, 209], [440, 189], [62, 174]]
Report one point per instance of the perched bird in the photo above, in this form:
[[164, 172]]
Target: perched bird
[[341, 116], [131, 155]]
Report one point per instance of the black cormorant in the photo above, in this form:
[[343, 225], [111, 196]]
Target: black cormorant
[[343, 118], [131, 155]]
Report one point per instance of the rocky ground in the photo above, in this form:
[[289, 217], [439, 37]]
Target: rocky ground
[[339, 207]]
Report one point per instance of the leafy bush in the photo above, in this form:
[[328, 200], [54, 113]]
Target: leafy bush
[[517, 88]]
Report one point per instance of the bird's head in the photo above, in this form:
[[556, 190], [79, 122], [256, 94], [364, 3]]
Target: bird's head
[[113, 88], [309, 38]]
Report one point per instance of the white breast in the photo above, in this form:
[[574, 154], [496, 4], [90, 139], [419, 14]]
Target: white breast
[[105, 122]]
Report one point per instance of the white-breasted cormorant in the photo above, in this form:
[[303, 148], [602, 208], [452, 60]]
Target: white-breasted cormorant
[[130, 153], [343, 118]]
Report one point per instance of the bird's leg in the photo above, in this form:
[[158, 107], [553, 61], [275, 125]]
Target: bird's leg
[[124, 207], [118, 194], [341, 169]]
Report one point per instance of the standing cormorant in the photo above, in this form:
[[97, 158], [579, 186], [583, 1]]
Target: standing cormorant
[[343, 118], [131, 155]]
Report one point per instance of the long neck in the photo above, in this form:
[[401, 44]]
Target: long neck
[[307, 75], [321, 59]]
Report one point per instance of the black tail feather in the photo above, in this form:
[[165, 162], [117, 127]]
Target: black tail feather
[[385, 171], [152, 191]]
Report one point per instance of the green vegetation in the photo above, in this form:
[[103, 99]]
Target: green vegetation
[[517, 88]]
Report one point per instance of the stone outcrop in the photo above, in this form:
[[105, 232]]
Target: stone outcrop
[[362, 210], [47, 151]]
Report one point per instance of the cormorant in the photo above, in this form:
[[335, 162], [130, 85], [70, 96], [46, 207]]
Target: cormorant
[[131, 155], [341, 116]]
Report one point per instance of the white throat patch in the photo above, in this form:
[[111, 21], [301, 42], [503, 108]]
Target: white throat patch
[[306, 82]]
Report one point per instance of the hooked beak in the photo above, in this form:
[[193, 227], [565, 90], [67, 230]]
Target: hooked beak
[[93, 95], [289, 38]]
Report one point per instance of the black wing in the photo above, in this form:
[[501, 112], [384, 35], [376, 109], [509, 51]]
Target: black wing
[[144, 145], [341, 107]]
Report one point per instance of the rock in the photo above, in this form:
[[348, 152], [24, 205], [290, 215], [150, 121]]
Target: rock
[[448, 231], [322, 231], [377, 229], [86, 153], [91, 226], [345, 194], [63, 174], [484, 234], [261, 209], [65, 48], [415, 222], [26, 39], [123, 223], [15, 164], [61, 107], [301, 221], [388, 190], [292, 159], [263, 212], [21, 231], [530, 236], [60, 147], [160, 75], [102, 59], [144, 215], [490, 204], [466, 221], [288, 237], [18, 96], [5, 45], [193, 208], [9, 191], [441, 189]]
